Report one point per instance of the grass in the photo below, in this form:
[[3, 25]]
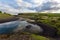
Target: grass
[[4, 16], [37, 37]]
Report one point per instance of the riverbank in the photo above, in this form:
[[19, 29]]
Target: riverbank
[[7, 18], [22, 36]]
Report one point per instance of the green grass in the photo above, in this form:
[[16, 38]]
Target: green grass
[[3, 16], [37, 37]]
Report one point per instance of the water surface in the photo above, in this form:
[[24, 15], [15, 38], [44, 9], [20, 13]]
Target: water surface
[[14, 26]]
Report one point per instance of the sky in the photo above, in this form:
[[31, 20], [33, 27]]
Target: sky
[[23, 6]]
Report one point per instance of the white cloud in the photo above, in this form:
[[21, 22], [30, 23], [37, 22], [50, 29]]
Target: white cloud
[[26, 10], [28, 4], [25, 6], [39, 3], [8, 9], [57, 1], [55, 7]]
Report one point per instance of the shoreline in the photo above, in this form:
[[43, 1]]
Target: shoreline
[[8, 19]]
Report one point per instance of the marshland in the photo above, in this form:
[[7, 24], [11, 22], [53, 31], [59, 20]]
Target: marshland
[[30, 26]]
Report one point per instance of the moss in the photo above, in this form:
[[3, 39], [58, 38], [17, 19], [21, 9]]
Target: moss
[[37, 37]]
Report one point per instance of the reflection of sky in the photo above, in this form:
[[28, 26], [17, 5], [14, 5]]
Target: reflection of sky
[[16, 6], [8, 27], [15, 26]]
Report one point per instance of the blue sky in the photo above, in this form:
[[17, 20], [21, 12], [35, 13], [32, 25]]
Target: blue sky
[[22, 6], [11, 3]]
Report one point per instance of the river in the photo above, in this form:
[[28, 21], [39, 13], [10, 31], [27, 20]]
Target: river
[[15, 26]]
